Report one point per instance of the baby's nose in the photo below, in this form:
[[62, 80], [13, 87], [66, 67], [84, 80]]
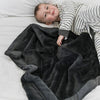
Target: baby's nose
[[49, 11]]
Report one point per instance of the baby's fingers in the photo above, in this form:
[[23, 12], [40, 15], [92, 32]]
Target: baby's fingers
[[59, 43]]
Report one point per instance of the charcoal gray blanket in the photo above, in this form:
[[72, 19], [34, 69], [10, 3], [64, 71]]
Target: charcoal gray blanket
[[68, 72]]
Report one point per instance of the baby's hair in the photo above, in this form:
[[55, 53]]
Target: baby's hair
[[35, 13]]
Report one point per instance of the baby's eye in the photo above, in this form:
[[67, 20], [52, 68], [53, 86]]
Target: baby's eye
[[47, 7], [45, 15]]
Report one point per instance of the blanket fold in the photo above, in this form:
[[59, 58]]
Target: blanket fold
[[52, 72]]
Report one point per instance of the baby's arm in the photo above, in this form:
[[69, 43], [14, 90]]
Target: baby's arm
[[67, 16]]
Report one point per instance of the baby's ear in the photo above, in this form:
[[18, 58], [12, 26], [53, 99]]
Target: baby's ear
[[48, 23]]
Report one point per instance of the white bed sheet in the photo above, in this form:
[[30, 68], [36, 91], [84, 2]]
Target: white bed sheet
[[10, 74]]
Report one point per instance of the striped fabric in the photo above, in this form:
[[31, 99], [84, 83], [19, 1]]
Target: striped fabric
[[78, 17], [97, 45], [87, 17], [68, 10]]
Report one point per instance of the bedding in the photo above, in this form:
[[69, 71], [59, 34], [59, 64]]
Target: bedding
[[55, 73], [15, 16], [10, 86], [10, 83], [20, 7]]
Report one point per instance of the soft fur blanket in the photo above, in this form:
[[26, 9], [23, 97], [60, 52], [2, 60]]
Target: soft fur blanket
[[68, 72]]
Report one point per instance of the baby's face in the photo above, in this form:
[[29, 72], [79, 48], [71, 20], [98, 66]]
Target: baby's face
[[48, 13]]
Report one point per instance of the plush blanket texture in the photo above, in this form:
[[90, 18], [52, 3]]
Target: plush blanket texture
[[67, 72]]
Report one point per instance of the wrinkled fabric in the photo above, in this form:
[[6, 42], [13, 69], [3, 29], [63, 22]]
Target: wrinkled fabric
[[68, 72]]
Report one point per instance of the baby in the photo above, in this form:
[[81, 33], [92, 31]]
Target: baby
[[72, 15]]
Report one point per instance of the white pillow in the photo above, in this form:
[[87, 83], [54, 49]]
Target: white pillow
[[15, 8], [20, 7]]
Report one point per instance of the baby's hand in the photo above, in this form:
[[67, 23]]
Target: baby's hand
[[60, 39]]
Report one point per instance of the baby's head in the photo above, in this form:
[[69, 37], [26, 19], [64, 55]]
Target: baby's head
[[46, 13]]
